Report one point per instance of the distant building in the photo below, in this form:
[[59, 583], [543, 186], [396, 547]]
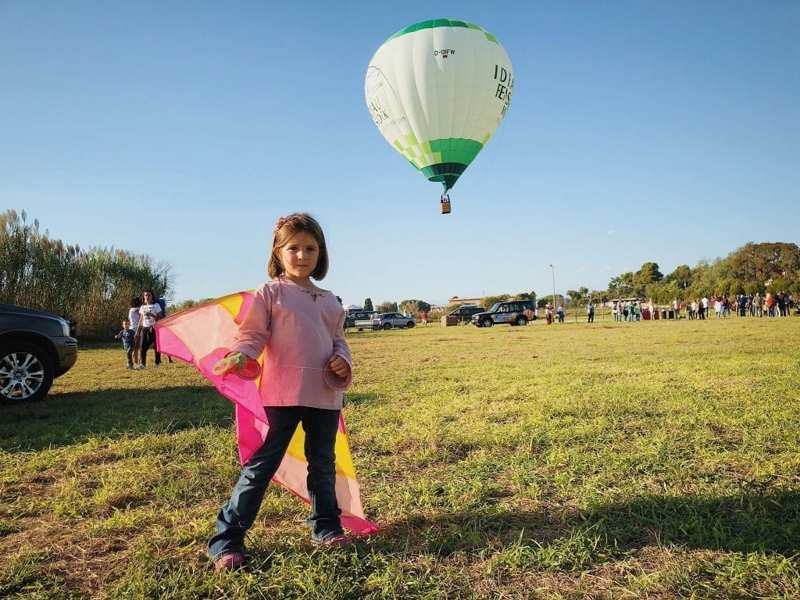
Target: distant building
[[458, 300]]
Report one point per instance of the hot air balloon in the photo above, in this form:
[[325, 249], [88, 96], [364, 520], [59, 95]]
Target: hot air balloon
[[437, 90]]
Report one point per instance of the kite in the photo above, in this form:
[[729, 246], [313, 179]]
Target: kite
[[437, 91], [204, 334]]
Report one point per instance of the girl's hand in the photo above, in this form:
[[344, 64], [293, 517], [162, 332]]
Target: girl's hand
[[230, 364], [339, 366]]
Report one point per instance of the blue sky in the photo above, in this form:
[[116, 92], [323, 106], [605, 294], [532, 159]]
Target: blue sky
[[638, 131]]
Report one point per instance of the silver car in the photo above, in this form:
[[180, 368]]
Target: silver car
[[392, 320]]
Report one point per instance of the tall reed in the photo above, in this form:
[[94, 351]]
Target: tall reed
[[93, 287]]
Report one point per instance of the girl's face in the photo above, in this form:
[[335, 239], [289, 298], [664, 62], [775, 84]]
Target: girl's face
[[299, 255]]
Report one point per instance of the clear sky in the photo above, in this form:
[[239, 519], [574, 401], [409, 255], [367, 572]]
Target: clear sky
[[664, 131]]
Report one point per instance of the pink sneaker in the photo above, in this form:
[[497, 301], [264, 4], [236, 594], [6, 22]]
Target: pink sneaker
[[229, 562]]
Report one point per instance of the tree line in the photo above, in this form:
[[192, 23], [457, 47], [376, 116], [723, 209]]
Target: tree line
[[751, 269], [754, 268], [93, 287]]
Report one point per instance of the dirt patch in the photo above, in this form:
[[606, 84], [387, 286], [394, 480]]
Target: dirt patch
[[97, 458]]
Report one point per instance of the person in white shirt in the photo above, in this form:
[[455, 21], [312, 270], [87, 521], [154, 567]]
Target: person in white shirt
[[149, 313], [133, 318]]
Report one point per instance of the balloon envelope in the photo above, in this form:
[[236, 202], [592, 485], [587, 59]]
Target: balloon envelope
[[437, 91]]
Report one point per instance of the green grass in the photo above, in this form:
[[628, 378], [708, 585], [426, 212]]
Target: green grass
[[645, 460]]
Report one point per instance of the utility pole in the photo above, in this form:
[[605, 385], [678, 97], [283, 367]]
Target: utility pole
[[553, 269]]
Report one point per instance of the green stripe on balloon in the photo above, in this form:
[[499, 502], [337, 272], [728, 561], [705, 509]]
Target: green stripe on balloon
[[445, 173], [433, 24], [456, 150], [445, 150]]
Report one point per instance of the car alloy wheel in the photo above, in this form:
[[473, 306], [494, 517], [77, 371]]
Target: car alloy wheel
[[486, 323], [22, 375]]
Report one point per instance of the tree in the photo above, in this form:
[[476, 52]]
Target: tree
[[782, 284], [557, 300], [682, 276], [173, 308], [408, 307], [414, 307], [761, 262], [526, 296], [621, 285], [578, 296], [750, 269], [368, 305], [488, 301], [648, 274], [385, 307], [93, 287]]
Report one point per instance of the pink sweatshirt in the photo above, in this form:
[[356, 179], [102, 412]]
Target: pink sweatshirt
[[301, 331]]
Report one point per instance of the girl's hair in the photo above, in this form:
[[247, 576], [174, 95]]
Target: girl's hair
[[286, 228], [136, 302], [148, 291]]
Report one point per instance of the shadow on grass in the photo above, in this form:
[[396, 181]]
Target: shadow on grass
[[71, 418], [748, 522], [768, 523], [445, 534]]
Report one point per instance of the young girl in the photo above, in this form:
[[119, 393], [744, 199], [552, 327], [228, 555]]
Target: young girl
[[307, 367]]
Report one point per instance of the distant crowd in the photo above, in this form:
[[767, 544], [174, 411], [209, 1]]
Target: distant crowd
[[742, 305], [138, 330]]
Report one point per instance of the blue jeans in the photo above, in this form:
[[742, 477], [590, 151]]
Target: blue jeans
[[237, 516]]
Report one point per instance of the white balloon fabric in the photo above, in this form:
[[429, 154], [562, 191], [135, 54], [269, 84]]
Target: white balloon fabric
[[438, 90]]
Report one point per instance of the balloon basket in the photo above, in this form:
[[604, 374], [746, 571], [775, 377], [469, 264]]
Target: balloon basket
[[445, 205]]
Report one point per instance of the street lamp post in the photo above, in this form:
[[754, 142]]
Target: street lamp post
[[553, 269]]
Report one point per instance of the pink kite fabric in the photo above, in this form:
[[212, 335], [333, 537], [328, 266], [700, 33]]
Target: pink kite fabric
[[204, 334]]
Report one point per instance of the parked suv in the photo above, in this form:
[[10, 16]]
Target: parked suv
[[513, 312], [390, 320], [35, 347], [463, 314]]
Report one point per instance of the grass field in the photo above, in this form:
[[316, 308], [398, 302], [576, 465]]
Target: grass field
[[644, 460]]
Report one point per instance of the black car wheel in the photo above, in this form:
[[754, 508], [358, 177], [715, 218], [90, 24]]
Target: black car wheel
[[387, 326], [522, 320], [410, 324], [486, 323], [26, 372]]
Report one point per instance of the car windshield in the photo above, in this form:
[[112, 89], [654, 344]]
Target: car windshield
[[495, 306]]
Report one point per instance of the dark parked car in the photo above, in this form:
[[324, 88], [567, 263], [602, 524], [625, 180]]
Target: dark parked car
[[35, 348], [513, 312], [463, 314], [357, 315]]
